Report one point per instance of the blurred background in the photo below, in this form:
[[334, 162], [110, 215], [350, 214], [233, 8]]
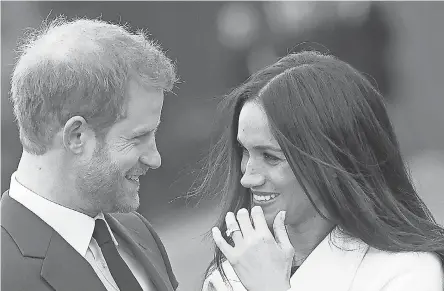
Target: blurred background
[[216, 46]]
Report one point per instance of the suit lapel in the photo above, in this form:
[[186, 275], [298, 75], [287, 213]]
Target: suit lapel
[[30, 233], [332, 265], [142, 252], [63, 268]]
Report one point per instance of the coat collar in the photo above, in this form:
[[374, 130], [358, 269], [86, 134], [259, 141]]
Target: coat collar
[[63, 267], [29, 232], [141, 246], [332, 266]]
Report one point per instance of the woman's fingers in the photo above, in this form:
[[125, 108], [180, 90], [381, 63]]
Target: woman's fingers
[[233, 228], [257, 215], [242, 228], [243, 217], [280, 233], [221, 243], [259, 260]]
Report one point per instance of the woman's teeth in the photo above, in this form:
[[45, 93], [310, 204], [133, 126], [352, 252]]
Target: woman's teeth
[[263, 198]]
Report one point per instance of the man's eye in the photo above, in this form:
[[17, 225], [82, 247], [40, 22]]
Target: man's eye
[[144, 135], [141, 138]]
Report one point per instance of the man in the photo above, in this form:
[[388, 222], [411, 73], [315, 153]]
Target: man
[[87, 97]]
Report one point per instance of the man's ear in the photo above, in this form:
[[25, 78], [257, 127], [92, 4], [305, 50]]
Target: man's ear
[[76, 134]]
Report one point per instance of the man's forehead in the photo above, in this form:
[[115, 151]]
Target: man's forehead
[[139, 84], [145, 106]]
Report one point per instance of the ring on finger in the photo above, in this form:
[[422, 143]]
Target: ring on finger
[[231, 230]]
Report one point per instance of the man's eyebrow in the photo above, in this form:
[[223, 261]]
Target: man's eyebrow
[[263, 147], [144, 130]]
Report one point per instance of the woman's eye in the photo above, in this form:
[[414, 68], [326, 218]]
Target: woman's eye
[[271, 158]]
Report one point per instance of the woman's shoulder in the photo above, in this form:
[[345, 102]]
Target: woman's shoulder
[[399, 268], [404, 260]]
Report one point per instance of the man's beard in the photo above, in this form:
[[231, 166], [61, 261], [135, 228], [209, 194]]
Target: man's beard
[[102, 184]]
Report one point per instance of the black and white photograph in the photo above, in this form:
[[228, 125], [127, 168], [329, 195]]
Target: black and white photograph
[[222, 146]]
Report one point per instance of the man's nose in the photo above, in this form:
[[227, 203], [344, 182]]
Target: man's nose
[[151, 158]]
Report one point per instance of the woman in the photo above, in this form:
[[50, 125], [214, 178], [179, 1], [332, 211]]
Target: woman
[[309, 138]]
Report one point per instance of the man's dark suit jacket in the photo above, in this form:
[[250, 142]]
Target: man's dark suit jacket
[[34, 257]]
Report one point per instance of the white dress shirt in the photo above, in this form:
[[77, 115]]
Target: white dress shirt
[[77, 229]]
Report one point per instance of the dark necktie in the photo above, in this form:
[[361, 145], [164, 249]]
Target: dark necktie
[[120, 271]]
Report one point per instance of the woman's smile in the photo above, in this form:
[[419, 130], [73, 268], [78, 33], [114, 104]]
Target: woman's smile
[[264, 198]]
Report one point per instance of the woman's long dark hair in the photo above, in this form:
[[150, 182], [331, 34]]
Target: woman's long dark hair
[[333, 128]]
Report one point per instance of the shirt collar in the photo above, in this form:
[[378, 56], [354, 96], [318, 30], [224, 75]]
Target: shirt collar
[[73, 226]]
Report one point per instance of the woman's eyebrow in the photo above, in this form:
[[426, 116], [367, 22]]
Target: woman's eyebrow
[[263, 147]]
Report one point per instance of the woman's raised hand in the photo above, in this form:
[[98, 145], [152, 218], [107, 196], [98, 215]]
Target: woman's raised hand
[[262, 262]]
